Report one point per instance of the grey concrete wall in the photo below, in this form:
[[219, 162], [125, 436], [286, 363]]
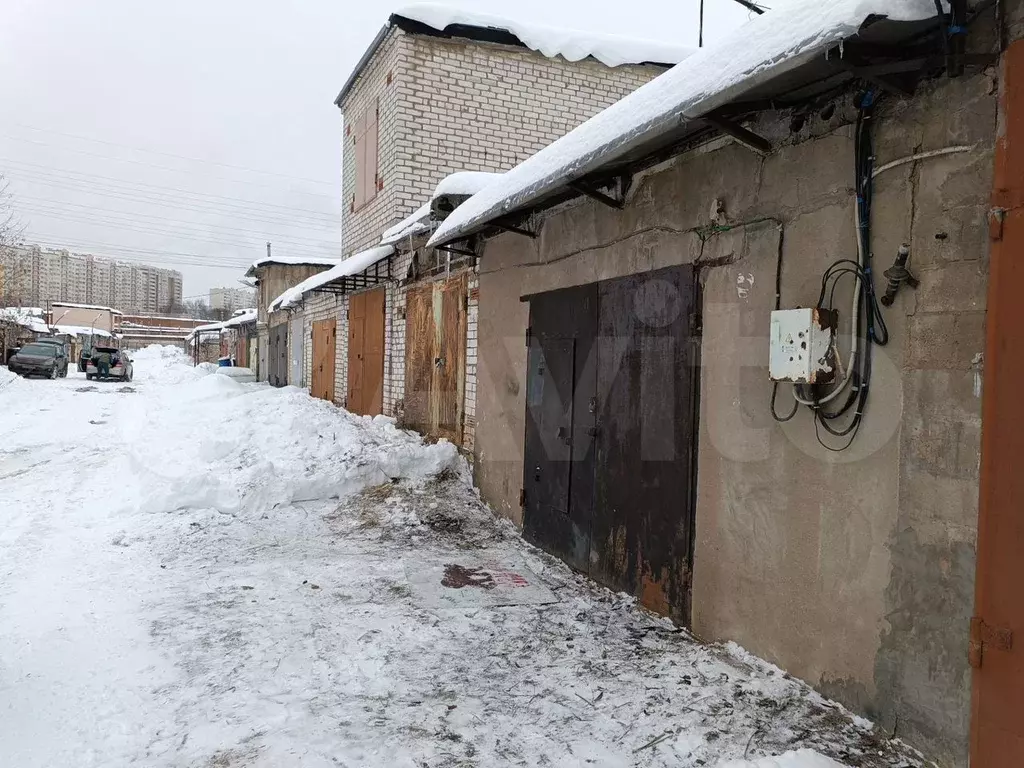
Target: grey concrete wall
[[851, 570]]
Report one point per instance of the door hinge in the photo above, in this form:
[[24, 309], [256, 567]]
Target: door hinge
[[529, 335], [522, 498], [996, 217], [984, 636]]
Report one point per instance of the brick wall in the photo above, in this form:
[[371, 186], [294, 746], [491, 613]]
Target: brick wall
[[362, 228], [459, 105]]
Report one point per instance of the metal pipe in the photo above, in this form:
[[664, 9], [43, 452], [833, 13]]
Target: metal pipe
[[751, 6]]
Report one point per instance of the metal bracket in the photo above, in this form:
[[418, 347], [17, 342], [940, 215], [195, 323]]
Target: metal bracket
[[514, 229], [745, 137], [458, 251], [595, 194], [984, 636]]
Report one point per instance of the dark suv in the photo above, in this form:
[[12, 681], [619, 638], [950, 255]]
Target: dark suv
[[40, 358]]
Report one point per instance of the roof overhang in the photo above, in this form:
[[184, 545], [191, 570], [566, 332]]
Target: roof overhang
[[891, 54]]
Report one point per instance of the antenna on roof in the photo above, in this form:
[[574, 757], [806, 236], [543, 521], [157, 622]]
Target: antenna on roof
[[751, 6]]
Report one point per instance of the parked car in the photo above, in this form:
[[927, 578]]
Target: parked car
[[62, 351], [39, 359], [120, 364]]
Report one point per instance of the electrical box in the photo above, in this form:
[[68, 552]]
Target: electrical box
[[802, 346]]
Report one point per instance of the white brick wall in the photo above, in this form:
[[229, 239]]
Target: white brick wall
[[362, 228], [459, 105]]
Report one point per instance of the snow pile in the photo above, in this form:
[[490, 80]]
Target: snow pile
[[803, 758], [244, 448], [6, 377], [770, 44], [572, 45]]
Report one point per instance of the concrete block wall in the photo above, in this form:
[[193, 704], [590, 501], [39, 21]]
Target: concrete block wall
[[869, 553]]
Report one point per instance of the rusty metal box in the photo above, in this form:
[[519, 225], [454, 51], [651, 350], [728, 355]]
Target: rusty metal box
[[802, 348]]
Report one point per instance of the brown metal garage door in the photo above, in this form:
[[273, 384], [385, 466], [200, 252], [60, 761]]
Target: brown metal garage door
[[997, 630], [366, 353], [325, 334], [610, 433], [277, 365], [435, 362]]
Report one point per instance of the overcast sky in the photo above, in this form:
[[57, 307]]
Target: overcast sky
[[189, 133]]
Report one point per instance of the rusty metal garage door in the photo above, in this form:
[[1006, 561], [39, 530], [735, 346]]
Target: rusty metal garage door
[[435, 367], [366, 353], [997, 629], [611, 433], [278, 357]]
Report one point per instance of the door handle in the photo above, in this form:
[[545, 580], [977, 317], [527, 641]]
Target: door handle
[[593, 431]]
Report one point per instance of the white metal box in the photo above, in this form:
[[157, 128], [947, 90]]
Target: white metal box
[[802, 346]]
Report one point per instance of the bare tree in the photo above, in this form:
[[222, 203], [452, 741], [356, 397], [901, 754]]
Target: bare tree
[[10, 232], [10, 228]]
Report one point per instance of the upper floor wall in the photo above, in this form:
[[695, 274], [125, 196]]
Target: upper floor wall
[[427, 106]]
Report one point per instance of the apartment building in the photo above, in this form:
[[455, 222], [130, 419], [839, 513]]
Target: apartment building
[[231, 299], [34, 276]]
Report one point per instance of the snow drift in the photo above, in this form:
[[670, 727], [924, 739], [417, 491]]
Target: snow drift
[[256, 448]]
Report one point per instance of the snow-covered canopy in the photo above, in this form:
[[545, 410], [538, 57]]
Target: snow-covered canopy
[[31, 318], [81, 330], [97, 307], [414, 224], [293, 260], [463, 183], [212, 330], [571, 44], [768, 46], [353, 265]]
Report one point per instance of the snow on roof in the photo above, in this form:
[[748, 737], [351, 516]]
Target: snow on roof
[[86, 306], [27, 317], [352, 265], [573, 45], [293, 260], [464, 183], [414, 224], [81, 330], [241, 317], [767, 45]]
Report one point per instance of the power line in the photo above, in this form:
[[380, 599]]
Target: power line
[[150, 165], [126, 223], [89, 178], [191, 226], [169, 154]]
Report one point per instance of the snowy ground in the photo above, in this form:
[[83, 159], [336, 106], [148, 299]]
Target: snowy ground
[[196, 572]]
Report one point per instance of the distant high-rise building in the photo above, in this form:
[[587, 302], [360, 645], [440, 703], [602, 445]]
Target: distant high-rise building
[[33, 276], [230, 299]]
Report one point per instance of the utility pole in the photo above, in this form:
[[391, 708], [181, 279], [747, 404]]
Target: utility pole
[[700, 34]]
